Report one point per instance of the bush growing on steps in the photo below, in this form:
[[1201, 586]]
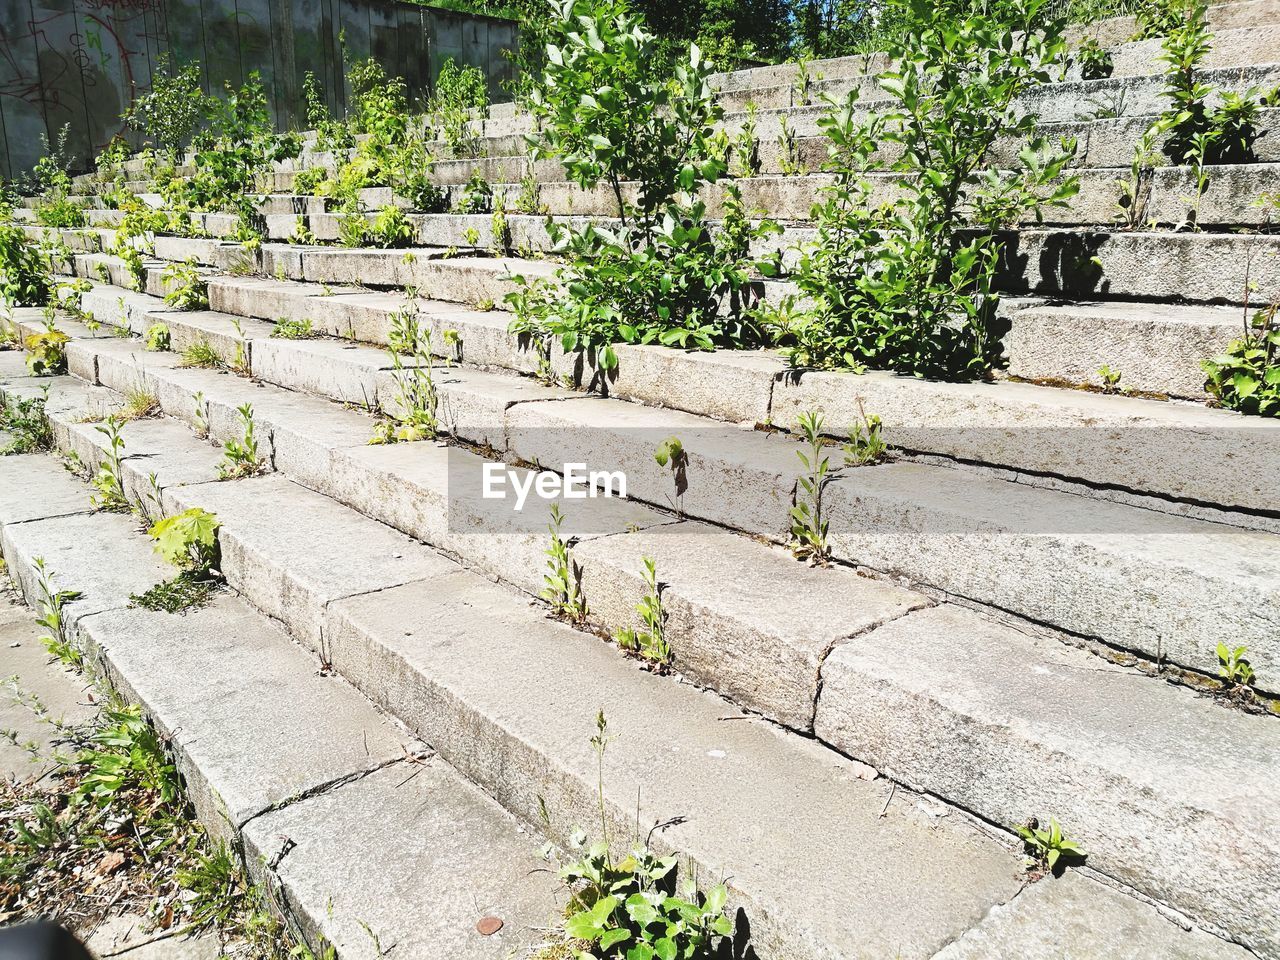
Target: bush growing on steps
[[242, 149], [54, 207], [1200, 126], [907, 284], [665, 274], [460, 93], [175, 107]]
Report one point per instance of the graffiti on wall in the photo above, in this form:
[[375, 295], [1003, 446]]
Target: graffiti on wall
[[79, 63]]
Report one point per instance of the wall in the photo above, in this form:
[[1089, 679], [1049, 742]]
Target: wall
[[80, 61]]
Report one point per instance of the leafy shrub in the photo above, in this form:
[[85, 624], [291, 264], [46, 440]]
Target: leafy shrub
[[24, 279], [24, 419], [1200, 129], [331, 134], [55, 206], [185, 288], [906, 284], [664, 275], [460, 95], [244, 147], [390, 228], [477, 195], [158, 338], [174, 109]]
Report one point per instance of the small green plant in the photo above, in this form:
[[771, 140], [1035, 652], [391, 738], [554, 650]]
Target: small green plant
[[200, 415], [292, 329], [562, 581], [157, 339], [240, 457], [1110, 379], [185, 288], [26, 421], [50, 604], [240, 360], [47, 351], [201, 353], [650, 641], [108, 481], [1093, 59], [789, 163], [808, 521], [866, 440], [1048, 849], [126, 754], [1234, 667], [637, 907], [671, 454], [139, 404], [416, 398], [1246, 377], [189, 541], [477, 197], [390, 228]]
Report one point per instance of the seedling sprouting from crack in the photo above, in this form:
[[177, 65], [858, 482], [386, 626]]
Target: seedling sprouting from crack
[[50, 604], [1234, 667], [651, 641], [417, 401], [866, 441], [1110, 379], [200, 419], [671, 453], [562, 581], [808, 523], [1048, 849], [107, 481], [240, 456]]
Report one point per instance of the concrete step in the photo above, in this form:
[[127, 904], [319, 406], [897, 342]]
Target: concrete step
[[1042, 751], [1156, 348], [674, 741], [1111, 33], [1177, 450], [1228, 199], [296, 765], [1071, 264], [1168, 587]]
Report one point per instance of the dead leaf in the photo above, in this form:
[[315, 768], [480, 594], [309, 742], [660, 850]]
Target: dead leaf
[[109, 864]]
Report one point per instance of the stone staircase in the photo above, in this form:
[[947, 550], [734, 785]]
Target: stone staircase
[[1022, 619]]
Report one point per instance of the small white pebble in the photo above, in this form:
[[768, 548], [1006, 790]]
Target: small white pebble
[[717, 754]]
